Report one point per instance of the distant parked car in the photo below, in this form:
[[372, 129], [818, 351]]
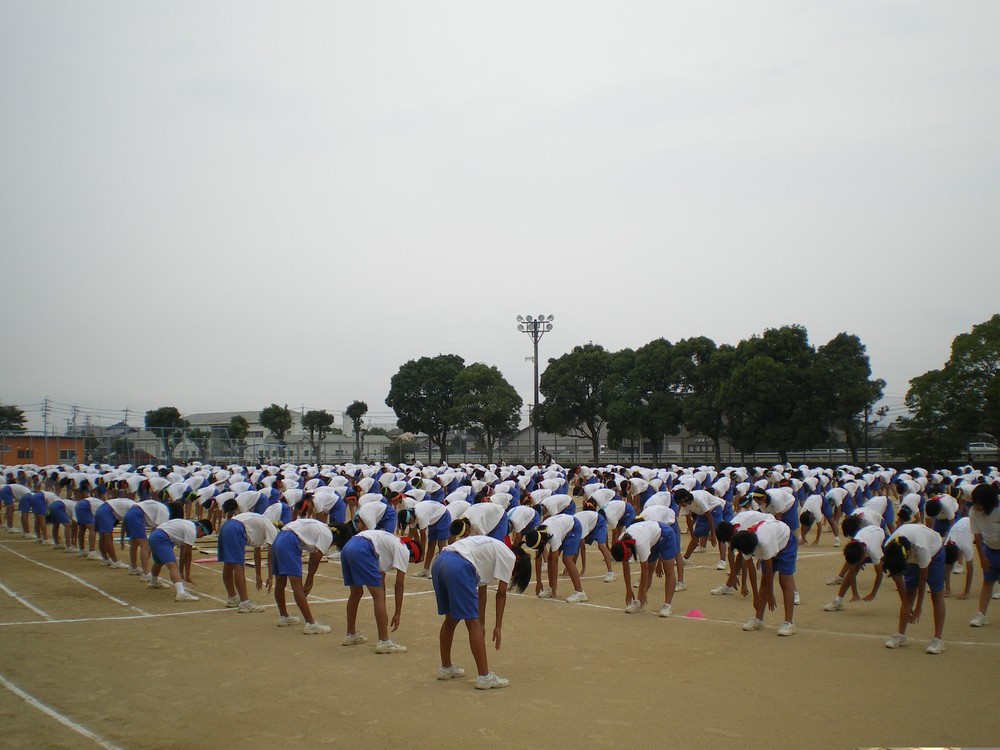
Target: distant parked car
[[982, 448]]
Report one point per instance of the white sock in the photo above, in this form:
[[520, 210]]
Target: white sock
[[180, 587]]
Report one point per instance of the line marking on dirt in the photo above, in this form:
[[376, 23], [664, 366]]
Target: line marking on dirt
[[25, 602]]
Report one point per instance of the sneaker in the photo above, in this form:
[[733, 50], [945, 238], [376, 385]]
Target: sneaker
[[70, 550], [353, 639], [576, 597], [84, 553], [316, 628], [249, 606], [12, 530], [95, 555], [978, 620], [936, 646], [450, 672], [609, 577], [58, 546], [835, 581], [664, 611], [996, 595], [753, 624], [119, 565], [959, 568], [795, 598], [680, 586], [389, 647], [422, 573], [489, 681], [47, 542], [135, 571], [633, 606], [232, 602], [896, 641], [154, 583], [185, 596], [723, 590], [145, 577], [787, 628], [285, 620], [30, 536], [106, 561], [721, 565], [836, 541], [545, 593], [837, 605]]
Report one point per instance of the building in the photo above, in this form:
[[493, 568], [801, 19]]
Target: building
[[40, 449]]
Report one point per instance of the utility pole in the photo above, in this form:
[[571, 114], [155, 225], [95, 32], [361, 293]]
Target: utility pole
[[535, 328]]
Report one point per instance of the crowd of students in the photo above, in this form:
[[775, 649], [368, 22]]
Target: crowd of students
[[472, 526]]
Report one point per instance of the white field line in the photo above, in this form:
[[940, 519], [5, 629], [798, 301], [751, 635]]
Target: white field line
[[64, 720], [79, 580], [25, 602]]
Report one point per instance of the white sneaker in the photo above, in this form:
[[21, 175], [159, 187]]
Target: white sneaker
[[996, 595], [721, 565], [489, 681], [47, 542], [896, 641], [106, 562], [232, 602], [753, 624], [249, 606], [84, 553], [70, 550], [837, 605], [389, 647], [795, 598], [723, 590], [422, 573], [135, 571], [119, 565], [609, 577], [154, 583], [185, 596], [664, 611], [95, 555], [545, 593], [576, 597], [450, 672], [936, 646], [835, 581], [30, 536], [58, 546], [353, 639], [959, 568], [145, 577], [12, 530], [285, 621], [978, 620], [316, 628], [836, 541], [680, 586], [633, 606], [787, 628]]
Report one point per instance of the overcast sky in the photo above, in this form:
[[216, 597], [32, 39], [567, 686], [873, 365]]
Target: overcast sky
[[219, 205]]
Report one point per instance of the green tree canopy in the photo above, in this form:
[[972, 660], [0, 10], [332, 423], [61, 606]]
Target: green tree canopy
[[168, 425], [422, 395], [12, 419], [700, 370], [356, 413], [317, 424], [277, 419], [486, 405]]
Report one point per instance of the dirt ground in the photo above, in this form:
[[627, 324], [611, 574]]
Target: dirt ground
[[89, 657]]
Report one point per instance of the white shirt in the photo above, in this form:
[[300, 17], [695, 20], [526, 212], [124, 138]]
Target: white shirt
[[873, 538], [646, 534], [588, 522], [555, 504], [614, 511], [156, 512], [428, 512], [491, 558], [558, 527], [961, 535], [779, 500], [180, 531], [925, 542], [949, 507], [371, 513], [391, 552], [314, 535], [771, 539], [813, 504], [987, 526], [260, 531], [483, 517], [520, 517], [660, 513]]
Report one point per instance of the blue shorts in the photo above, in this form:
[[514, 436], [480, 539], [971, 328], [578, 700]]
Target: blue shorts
[[668, 547], [628, 517], [7, 498], [600, 532], [440, 530], [135, 523], [359, 563], [286, 552], [571, 542], [38, 505], [105, 519], [499, 532], [338, 513], [162, 547], [943, 525], [784, 562], [58, 514], [935, 573], [992, 573], [24, 504], [701, 527], [232, 544], [83, 513], [456, 586], [791, 517], [847, 505], [388, 522]]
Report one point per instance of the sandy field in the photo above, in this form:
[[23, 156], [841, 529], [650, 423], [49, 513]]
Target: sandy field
[[89, 657]]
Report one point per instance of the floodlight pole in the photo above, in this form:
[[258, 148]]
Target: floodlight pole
[[535, 327]]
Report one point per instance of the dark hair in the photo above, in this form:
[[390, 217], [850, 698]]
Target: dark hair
[[206, 526], [951, 553], [894, 557], [724, 531], [536, 538], [807, 519], [933, 507], [986, 497], [342, 532], [623, 548], [459, 527], [176, 510], [405, 517], [683, 495], [520, 577], [904, 514], [855, 552], [850, 525], [229, 506], [744, 542]]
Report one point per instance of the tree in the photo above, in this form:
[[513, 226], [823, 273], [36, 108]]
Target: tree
[[12, 419], [768, 398], [317, 424], [200, 438], [277, 419], [356, 412], [486, 405], [238, 429], [168, 424], [924, 436], [577, 389], [422, 395], [700, 369]]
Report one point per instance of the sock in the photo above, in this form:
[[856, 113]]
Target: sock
[[180, 587]]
